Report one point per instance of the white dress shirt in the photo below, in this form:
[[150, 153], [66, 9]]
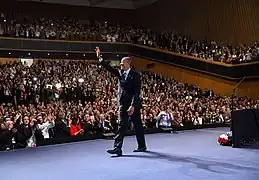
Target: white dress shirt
[[126, 73], [44, 127]]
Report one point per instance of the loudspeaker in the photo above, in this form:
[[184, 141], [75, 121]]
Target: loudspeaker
[[245, 127], [108, 136]]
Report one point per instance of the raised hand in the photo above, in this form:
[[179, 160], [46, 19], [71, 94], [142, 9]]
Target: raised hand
[[98, 52]]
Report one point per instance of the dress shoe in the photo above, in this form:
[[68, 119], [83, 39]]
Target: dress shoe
[[140, 149], [116, 151]]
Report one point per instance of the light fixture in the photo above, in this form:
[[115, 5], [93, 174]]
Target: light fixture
[[9, 53], [29, 54], [48, 54], [66, 54], [84, 55]]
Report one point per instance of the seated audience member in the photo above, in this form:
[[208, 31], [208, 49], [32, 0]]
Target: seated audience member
[[75, 128]]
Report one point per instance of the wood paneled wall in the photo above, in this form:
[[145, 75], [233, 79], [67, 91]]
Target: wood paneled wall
[[218, 85], [227, 21], [231, 21], [7, 60], [234, 21]]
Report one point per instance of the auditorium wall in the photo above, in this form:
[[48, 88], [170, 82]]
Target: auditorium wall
[[218, 85], [7, 60], [231, 21]]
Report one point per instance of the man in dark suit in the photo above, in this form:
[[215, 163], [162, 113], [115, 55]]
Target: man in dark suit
[[128, 99]]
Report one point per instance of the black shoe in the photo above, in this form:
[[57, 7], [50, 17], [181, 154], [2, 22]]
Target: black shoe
[[116, 151], [140, 149]]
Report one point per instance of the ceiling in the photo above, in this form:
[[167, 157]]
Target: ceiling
[[119, 4]]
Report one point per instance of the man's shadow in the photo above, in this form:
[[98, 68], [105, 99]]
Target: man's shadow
[[200, 163]]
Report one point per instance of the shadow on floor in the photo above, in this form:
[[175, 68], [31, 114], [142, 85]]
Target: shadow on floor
[[207, 165], [253, 146]]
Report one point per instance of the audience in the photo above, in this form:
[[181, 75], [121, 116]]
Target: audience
[[62, 98], [71, 29]]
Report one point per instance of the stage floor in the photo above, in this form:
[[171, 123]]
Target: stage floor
[[188, 155]]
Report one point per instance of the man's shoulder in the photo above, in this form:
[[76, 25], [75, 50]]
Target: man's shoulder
[[134, 72]]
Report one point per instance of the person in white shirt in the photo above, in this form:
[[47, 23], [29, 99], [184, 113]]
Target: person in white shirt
[[45, 125], [113, 39], [197, 120], [109, 38], [1, 30], [37, 33]]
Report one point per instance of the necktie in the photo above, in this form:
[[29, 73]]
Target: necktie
[[123, 76]]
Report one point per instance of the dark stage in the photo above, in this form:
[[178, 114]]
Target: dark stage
[[189, 155]]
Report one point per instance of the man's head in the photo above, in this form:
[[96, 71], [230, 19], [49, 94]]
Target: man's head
[[40, 119], [125, 63], [26, 120], [9, 125]]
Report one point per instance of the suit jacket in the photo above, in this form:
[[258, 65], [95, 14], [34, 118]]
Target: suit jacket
[[5, 139], [61, 129], [128, 89]]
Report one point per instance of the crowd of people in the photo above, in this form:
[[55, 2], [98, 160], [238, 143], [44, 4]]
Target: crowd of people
[[61, 98], [71, 29]]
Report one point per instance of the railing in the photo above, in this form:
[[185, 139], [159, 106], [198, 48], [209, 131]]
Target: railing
[[38, 46]]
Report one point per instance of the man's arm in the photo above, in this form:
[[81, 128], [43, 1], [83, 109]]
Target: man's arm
[[136, 90], [112, 70]]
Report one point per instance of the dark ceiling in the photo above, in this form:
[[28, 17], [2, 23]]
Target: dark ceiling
[[121, 4]]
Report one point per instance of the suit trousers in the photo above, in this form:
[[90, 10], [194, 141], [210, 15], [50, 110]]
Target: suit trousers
[[123, 125]]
